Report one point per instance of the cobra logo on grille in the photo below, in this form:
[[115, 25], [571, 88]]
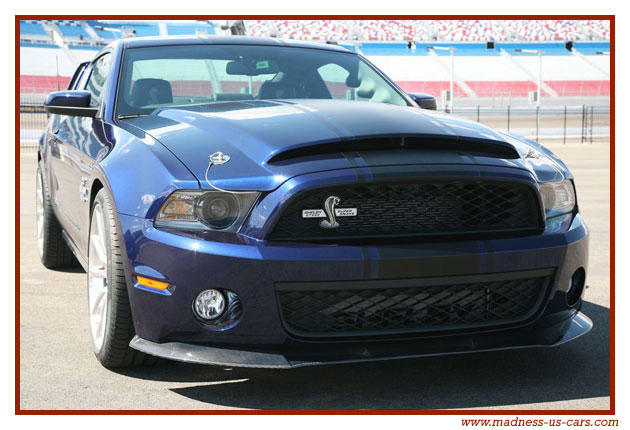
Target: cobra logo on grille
[[330, 213]]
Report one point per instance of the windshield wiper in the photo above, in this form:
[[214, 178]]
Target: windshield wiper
[[135, 115]]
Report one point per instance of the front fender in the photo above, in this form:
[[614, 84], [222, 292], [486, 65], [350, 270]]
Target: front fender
[[140, 173]]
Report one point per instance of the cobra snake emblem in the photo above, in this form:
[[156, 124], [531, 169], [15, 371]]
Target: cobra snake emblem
[[329, 208]]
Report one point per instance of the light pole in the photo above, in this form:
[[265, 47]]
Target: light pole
[[452, 83], [539, 83], [539, 52]]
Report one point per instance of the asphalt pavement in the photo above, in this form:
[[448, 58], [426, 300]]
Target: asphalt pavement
[[58, 369]]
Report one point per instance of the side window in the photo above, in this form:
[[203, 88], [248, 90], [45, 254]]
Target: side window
[[98, 77]]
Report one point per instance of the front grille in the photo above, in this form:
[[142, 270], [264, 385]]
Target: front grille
[[398, 306], [415, 209]]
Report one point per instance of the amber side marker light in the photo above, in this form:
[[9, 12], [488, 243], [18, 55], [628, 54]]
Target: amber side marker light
[[152, 283]]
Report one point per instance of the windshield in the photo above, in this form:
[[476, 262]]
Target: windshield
[[164, 76]]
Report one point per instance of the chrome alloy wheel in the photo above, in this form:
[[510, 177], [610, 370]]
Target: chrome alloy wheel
[[39, 213], [97, 278]]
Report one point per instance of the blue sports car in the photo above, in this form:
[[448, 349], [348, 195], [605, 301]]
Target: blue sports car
[[264, 203]]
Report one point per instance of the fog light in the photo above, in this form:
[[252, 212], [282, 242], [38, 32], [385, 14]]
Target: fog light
[[576, 287], [209, 304]]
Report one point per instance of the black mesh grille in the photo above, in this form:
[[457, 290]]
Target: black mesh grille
[[324, 311], [403, 209]]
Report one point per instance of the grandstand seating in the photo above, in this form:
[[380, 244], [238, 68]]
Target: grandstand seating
[[74, 31], [598, 29], [390, 30], [546, 29], [42, 84], [107, 30], [32, 29], [351, 30], [143, 30], [482, 72], [447, 30], [469, 30], [258, 28], [185, 29], [581, 88], [299, 29], [430, 87], [107, 34]]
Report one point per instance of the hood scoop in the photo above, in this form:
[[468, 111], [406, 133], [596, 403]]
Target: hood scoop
[[472, 146]]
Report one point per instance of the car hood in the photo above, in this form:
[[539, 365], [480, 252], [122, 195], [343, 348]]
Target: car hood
[[256, 135]]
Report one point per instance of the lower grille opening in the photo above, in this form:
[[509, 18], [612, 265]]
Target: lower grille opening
[[402, 306]]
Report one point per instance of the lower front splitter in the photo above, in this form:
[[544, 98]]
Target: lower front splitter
[[579, 325]]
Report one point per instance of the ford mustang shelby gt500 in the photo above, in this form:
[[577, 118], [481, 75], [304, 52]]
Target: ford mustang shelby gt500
[[263, 203]]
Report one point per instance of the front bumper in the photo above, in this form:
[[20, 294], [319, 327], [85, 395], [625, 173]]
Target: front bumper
[[252, 269], [575, 327]]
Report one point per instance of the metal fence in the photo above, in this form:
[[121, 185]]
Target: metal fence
[[33, 119], [560, 123], [557, 124]]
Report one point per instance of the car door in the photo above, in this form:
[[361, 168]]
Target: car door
[[57, 140], [78, 146]]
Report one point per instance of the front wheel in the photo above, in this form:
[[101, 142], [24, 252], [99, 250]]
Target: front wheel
[[111, 323]]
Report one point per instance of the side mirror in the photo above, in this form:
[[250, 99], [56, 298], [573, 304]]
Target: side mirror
[[425, 101], [70, 102]]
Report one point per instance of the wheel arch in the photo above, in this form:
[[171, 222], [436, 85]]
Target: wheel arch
[[97, 185], [99, 182]]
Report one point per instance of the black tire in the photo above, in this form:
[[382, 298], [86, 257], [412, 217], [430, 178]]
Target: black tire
[[54, 252], [119, 329]]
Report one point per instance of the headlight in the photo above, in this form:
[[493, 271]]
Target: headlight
[[213, 210], [558, 197]]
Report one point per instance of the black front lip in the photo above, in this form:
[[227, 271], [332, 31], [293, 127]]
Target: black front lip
[[563, 332]]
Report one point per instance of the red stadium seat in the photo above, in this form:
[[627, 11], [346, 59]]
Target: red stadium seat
[[42, 84]]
